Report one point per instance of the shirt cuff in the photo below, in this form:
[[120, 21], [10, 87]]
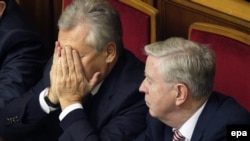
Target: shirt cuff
[[69, 109], [45, 107]]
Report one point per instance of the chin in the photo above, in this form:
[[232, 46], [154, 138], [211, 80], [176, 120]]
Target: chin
[[152, 113]]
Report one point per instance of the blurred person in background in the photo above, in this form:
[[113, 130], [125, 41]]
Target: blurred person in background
[[22, 54]]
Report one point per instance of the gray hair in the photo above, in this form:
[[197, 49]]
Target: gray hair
[[187, 62], [99, 16]]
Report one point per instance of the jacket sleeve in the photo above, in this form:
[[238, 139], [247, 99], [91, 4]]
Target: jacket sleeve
[[22, 58], [23, 116], [122, 126], [20, 122]]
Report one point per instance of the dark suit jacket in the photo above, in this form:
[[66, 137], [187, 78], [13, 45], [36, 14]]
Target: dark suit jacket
[[116, 113], [22, 55], [219, 112]]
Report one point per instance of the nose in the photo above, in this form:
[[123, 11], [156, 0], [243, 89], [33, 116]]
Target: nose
[[142, 87]]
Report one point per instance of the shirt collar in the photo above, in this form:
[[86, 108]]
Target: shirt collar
[[187, 128], [96, 88]]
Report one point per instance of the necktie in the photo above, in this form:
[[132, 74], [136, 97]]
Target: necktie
[[178, 136]]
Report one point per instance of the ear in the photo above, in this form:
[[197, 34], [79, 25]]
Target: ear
[[2, 8], [110, 52], [182, 93]]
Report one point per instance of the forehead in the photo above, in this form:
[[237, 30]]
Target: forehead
[[155, 69], [152, 65], [152, 61], [76, 37]]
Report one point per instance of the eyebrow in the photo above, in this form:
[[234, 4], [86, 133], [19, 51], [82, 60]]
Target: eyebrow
[[146, 75]]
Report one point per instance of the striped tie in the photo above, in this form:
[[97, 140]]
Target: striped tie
[[178, 136]]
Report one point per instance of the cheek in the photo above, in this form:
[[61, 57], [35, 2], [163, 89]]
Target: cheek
[[159, 97], [157, 103], [93, 65], [154, 95], [161, 101], [88, 67]]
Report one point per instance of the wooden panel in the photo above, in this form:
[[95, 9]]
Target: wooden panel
[[177, 15], [150, 2], [237, 8], [221, 31], [44, 14]]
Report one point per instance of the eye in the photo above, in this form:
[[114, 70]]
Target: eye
[[148, 80], [81, 55]]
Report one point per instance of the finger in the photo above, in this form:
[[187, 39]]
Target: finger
[[57, 50], [93, 81], [59, 69], [78, 66], [56, 55], [63, 63], [58, 46], [70, 60]]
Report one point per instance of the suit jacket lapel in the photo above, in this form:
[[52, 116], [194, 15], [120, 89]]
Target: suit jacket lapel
[[99, 106], [205, 117], [168, 136]]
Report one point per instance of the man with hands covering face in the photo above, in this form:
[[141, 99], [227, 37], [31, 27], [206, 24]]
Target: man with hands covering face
[[70, 84], [89, 57]]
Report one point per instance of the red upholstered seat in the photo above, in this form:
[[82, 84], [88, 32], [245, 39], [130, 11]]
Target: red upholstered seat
[[232, 51], [136, 28], [65, 3], [139, 24]]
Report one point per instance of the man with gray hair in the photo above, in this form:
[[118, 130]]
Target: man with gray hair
[[91, 85], [179, 93]]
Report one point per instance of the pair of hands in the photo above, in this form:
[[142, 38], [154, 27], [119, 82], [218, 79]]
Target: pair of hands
[[68, 81]]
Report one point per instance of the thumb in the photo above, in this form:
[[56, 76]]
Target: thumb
[[93, 81]]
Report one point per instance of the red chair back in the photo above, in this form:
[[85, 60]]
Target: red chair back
[[232, 52]]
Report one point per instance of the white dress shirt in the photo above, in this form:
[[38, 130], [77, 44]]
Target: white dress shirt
[[187, 128], [47, 109]]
